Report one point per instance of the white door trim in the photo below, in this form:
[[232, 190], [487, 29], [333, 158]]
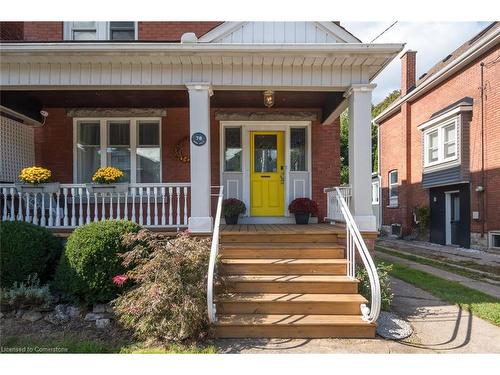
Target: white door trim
[[447, 215], [246, 128]]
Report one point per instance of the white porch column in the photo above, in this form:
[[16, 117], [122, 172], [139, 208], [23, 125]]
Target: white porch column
[[360, 159], [199, 122]]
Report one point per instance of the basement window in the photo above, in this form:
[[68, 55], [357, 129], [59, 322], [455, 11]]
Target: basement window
[[495, 240]]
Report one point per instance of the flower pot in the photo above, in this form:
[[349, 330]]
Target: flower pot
[[107, 188], [301, 219], [48, 187], [231, 220]]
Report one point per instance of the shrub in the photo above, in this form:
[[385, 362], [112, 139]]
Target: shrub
[[168, 298], [303, 206], [233, 207], [91, 259], [26, 294], [383, 270], [26, 249]]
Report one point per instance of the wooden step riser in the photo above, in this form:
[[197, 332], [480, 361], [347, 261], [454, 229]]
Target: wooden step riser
[[263, 253], [289, 307], [317, 331], [282, 238], [282, 269], [291, 287]]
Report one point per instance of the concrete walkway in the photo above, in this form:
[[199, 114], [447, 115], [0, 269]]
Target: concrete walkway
[[438, 328], [452, 253], [492, 290]]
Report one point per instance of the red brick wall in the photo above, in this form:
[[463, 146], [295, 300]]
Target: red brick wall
[[53, 31], [11, 31], [54, 149], [392, 143], [43, 31], [173, 30]]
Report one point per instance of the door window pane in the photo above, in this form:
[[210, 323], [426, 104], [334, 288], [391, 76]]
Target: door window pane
[[298, 149], [265, 153], [88, 150], [119, 147], [232, 150], [148, 152]]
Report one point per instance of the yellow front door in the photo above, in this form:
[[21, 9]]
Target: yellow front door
[[267, 174]]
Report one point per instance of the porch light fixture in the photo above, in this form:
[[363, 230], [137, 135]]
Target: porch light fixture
[[268, 98]]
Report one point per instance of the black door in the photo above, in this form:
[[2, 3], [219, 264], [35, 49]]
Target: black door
[[454, 216]]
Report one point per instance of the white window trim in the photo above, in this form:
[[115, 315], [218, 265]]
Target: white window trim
[[104, 142], [440, 129], [490, 242], [103, 30], [393, 201], [376, 197]]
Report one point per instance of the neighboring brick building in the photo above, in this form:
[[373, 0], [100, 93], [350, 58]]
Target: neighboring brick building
[[440, 146]]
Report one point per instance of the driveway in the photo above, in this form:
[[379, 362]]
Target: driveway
[[438, 327]]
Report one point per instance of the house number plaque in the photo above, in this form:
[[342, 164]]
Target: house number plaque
[[199, 139]]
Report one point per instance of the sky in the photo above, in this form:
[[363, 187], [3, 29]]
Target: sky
[[433, 41]]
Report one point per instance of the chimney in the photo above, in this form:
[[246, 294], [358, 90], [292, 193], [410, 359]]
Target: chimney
[[408, 71]]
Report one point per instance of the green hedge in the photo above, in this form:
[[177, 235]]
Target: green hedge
[[27, 249], [90, 261]]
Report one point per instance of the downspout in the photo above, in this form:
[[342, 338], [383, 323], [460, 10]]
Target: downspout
[[483, 179]]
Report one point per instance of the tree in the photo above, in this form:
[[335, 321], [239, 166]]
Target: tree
[[344, 136]]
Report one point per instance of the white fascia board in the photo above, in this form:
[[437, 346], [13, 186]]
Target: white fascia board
[[166, 48], [444, 116], [220, 31], [464, 59], [339, 32]]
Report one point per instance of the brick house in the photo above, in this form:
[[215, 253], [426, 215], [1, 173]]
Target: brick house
[[439, 146], [185, 108]]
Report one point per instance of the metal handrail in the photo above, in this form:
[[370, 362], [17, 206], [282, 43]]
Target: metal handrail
[[214, 251], [354, 241]]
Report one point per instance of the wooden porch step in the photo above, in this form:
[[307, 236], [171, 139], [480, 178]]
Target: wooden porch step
[[290, 284], [282, 250], [288, 303], [277, 237], [293, 326], [283, 266]]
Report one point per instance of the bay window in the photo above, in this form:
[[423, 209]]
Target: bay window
[[441, 143], [132, 145]]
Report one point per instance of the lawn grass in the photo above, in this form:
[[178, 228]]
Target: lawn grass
[[478, 303], [437, 264], [20, 344]]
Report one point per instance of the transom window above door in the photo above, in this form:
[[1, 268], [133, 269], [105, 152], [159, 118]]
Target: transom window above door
[[132, 145]]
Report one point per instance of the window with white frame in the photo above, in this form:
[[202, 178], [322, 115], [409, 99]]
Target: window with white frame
[[441, 143], [375, 192], [131, 144], [393, 188], [98, 30]]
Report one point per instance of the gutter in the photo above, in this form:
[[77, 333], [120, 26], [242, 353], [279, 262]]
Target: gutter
[[165, 48], [471, 54]]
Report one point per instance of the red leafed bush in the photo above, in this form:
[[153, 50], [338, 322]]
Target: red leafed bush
[[303, 206]]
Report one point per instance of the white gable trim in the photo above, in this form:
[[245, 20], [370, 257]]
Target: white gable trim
[[227, 28]]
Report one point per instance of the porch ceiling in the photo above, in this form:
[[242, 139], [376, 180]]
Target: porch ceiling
[[31, 102]]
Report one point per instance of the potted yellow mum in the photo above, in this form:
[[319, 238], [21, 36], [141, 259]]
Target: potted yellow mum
[[36, 180], [105, 180]]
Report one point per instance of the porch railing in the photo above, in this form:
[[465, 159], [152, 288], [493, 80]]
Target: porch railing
[[214, 251], [149, 204], [356, 244], [333, 210]]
